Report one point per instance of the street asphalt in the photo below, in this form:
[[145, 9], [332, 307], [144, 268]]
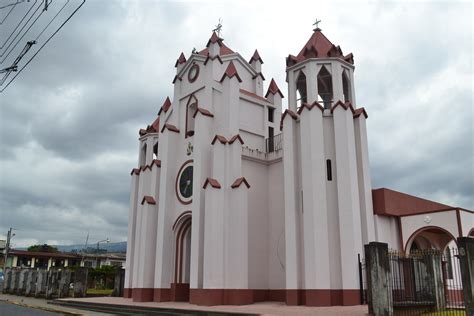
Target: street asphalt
[[8, 309]]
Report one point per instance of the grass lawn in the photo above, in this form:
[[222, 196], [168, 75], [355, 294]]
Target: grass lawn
[[102, 292], [447, 313]]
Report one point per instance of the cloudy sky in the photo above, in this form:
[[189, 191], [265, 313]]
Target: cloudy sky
[[69, 122]]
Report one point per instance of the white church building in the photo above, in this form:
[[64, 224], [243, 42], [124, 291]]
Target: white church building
[[234, 201]]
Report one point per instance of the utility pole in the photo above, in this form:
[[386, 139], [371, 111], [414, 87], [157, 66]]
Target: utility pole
[[7, 247]]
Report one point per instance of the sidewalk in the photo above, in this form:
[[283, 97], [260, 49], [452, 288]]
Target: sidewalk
[[42, 304], [264, 308]]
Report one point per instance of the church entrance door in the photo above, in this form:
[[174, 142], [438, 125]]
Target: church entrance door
[[182, 265]]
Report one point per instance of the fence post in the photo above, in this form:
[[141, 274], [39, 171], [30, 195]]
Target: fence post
[[7, 280], [435, 278], [466, 260], [377, 267], [80, 282]]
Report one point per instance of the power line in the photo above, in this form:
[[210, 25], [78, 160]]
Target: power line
[[52, 35], [1, 55], [14, 66], [26, 32], [52, 19], [13, 7], [1, 47], [11, 4]]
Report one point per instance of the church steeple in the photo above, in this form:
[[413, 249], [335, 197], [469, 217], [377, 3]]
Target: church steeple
[[324, 74]]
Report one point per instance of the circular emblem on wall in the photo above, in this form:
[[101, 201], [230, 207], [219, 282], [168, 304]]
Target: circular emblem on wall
[[184, 183], [427, 219], [193, 73]]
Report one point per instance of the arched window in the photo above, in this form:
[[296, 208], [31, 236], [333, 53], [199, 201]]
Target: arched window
[[191, 108], [301, 94], [143, 155], [346, 87], [325, 87]]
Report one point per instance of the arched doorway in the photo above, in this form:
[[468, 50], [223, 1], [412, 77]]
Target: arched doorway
[[430, 237], [182, 258]]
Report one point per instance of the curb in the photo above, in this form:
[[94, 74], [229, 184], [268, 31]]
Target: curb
[[46, 309]]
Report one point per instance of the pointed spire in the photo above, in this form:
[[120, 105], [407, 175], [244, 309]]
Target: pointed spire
[[273, 89], [166, 106], [214, 39], [255, 57], [181, 60], [230, 72]]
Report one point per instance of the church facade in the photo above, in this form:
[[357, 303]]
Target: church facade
[[235, 201]]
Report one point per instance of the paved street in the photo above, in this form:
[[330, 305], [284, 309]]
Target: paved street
[[7, 309]]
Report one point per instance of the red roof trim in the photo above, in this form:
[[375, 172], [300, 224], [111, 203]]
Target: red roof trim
[[156, 162], [203, 112], [255, 57], [230, 72], [259, 74], [170, 127], [310, 107], [345, 106], [214, 39], [180, 60], [236, 137], [176, 77], [273, 89], [148, 199], [360, 111], [251, 94], [239, 181], [290, 113], [219, 138], [135, 171], [213, 182], [166, 106], [212, 58]]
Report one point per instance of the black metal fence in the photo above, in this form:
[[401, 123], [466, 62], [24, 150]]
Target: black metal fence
[[426, 282], [274, 143]]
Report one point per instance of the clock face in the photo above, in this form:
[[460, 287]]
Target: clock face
[[193, 73], [184, 183]]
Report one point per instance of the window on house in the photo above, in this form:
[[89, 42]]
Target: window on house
[[301, 93], [271, 113], [325, 92], [155, 151], [346, 87], [329, 169]]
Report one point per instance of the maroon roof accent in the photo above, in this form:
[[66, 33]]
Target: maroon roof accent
[[259, 74], [230, 72], [251, 94], [239, 181], [149, 200], [236, 137], [255, 57], [273, 89], [170, 127], [181, 60], [212, 58], [35, 254], [143, 168], [176, 77], [310, 107], [290, 113], [203, 112], [223, 49], [219, 138], [142, 132], [166, 106], [393, 203], [360, 111], [318, 46], [345, 106], [135, 171], [156, 162], [213, 182]]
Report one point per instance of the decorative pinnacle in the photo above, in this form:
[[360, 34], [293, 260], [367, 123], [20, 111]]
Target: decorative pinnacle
[[218, 28]]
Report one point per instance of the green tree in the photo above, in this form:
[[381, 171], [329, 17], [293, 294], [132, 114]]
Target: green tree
[[42, 248]]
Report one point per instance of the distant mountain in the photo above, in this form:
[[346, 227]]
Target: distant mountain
[[104, 247]]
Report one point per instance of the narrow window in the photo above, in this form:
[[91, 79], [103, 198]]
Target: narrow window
[[271, 143], [346, 87], [329, 169], [325, 87], [271, 113], [191, 108], [143, 156], [301, 95], [155, 151]]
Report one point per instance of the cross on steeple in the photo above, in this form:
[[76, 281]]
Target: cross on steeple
[[218, 28], [317, 25]]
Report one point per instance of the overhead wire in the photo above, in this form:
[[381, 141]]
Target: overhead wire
[[14, 66], [32, 6], [44, 44], [42, 11], [6, 16], [44, 29], [11, 4]]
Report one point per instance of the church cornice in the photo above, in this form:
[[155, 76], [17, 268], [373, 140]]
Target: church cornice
[[203, 112], [170, 127], [239, 181], [346, 106], [149, 200], [213, 182], [309, 107]]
